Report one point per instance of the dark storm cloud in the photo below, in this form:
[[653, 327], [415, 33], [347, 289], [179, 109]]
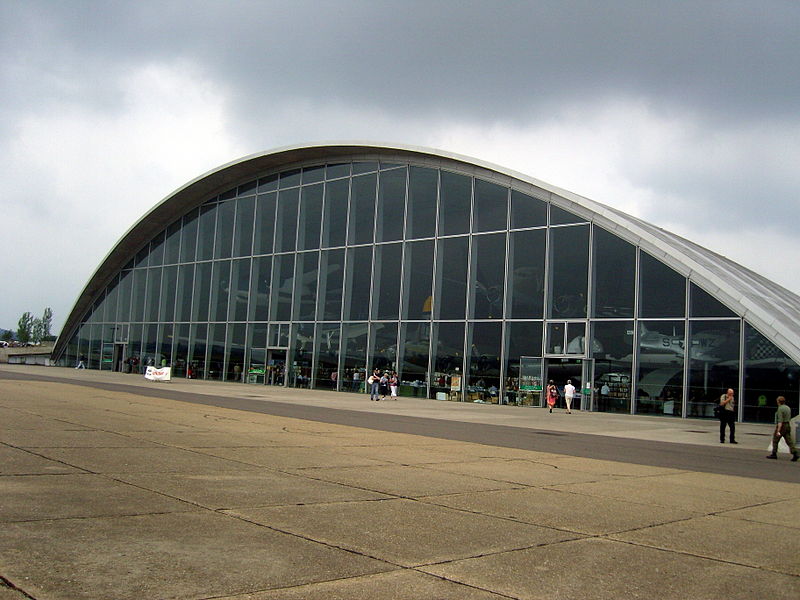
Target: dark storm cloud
[[503, 61]]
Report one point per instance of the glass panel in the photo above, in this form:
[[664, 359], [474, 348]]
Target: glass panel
[[612, 348], [418, 280], [713, 364], [305, 286], [216, 351], [220, 288], [338, 170], [447, 347], [354, 351], [364, 167], [491, 206], [135, 348], [313, 174], [357, 283], [189, 236], [268, 183], [523, 338], [484, 362], [487, 276], [286, 224], [659, 389], [415, 339], [235, 353], [110, 313], [334, 229], [282, 285], [421, 219], [180, 350], [265, 224], [331, 273], [247, 189], [260, 287], [137, 294], [140, 260], [662, 291], [703, 304], [576, 338], [386, 281], [290, 178], [310, 218], [240, 290], [391, 206], [172, 246], [205, 233], [157, 250], [168, 284], [527, 211], [362, 210], [614, 275], [165, 345], [383, 346], [124, 304], [559, 216], [243, 232], [455, 204], [555, 338], [183, 305], [526, 267], [327, 351], [569, 271], [149, 343], [302, 344], [451, 278], [202, 292], [768, 373], [153, 294], [226, 217]]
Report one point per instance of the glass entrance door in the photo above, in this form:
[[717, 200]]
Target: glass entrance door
[[561, 370], [276, 367]]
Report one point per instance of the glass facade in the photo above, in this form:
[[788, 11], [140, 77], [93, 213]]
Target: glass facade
[[472, 290]]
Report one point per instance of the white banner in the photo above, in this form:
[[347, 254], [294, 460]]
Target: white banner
[[158, 374]]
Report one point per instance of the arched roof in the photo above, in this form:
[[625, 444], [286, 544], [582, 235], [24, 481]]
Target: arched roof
[[770, 308]]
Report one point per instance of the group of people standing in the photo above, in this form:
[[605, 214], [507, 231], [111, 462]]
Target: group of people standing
[[382, 385]]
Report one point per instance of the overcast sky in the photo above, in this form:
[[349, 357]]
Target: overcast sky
[[685, 114]]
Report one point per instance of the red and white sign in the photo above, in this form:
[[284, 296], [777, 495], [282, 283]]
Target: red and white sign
[[158, 374]]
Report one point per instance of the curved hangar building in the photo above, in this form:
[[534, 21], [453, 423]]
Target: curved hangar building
[[310, 266]]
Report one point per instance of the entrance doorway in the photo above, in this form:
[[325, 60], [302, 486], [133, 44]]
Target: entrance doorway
[[573, 369], [276, 367], [117, 364]]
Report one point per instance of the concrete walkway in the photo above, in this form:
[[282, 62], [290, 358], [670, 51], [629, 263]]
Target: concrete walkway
[[109, 489]]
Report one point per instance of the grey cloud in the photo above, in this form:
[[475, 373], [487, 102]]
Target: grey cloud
[[471, 58]]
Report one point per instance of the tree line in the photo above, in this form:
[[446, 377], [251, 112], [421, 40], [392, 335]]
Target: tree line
[[33, 330]]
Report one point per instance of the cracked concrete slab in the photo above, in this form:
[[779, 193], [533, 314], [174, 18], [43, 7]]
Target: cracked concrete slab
[[405, 532], [608, 570], [759, 545], [563, 510], [217, 491], [39, 497], [179, 555], [395, 585]]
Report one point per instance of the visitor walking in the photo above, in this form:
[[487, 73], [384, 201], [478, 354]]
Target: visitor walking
[[374, 384], [569, 394], [552, 394], [727, 416], [393, 383], [383, 385], [81, 362], [783, 429]]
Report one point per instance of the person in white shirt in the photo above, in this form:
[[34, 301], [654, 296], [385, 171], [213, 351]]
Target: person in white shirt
[[569, 394]]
